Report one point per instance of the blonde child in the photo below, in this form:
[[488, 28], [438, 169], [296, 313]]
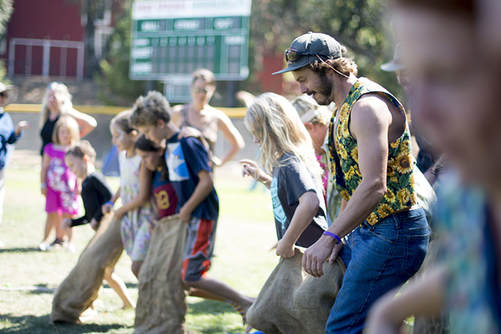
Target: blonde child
[[291, 172], [95, 193], [134, 191], [58, 184]]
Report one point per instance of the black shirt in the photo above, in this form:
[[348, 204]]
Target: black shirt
[[46, 132], [95, 193]]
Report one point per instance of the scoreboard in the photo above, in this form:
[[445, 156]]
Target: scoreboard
[[173, 38]]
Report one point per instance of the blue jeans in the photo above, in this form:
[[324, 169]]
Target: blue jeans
[[378, 258]]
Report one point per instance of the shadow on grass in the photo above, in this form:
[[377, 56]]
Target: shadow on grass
[[205, 306], [29, 324], [20, 250], [129, 285], [41, 288]]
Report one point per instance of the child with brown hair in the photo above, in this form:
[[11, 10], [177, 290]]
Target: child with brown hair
[[95, 193]]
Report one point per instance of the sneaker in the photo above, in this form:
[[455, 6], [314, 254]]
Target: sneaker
[[69, 247], [57, 242], [44, 246]]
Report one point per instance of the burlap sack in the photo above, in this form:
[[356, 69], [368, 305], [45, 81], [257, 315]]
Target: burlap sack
[[293, 302], [80, 288], [161, 306]]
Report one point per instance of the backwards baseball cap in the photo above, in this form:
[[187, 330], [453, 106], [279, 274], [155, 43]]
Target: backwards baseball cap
[[309, 47], [396, 63]]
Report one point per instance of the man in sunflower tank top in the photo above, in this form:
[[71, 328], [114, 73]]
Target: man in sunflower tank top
[[372, 167]]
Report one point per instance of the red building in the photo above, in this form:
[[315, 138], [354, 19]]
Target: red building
[[47, 37]]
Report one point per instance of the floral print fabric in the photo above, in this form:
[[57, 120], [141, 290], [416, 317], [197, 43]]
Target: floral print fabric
[[343, 156]]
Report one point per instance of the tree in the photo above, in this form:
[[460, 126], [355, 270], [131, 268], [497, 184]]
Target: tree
[[5, 13], [113, 75], [91, 10]]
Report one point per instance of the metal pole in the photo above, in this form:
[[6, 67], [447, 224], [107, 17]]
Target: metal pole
[[62, 64], [80, 62], [27, 66], [12, 56], [46, 59]]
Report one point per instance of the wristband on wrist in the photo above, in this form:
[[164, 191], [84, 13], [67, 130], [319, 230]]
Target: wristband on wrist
[[334, 236], [110, 203], [43, 185]]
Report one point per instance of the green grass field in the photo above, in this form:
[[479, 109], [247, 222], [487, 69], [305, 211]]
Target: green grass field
[[28, 277]]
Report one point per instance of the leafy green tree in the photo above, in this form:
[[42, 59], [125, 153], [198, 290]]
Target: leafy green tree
[[5, 13], [113, 78]]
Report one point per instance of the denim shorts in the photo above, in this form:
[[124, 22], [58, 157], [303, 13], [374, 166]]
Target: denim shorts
[[378, 259]]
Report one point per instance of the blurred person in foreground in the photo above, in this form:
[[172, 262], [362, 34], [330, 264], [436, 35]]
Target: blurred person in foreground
[[428, 160], [370, 152], [455, 83]]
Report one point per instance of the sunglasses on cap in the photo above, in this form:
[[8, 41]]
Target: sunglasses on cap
[[292, 55]]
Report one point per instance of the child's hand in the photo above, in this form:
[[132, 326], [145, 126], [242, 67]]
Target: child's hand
[[185, 215], [94, 224], [66, 223], [43, 189], [118, 215], [20, 126], [189, 131], [285, 249], [250, 168], [216, 161]]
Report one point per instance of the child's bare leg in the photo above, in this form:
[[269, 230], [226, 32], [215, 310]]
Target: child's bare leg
[[58, 224], [69, 231], [118, 285], [217, 290], [49, 226], [136, 268]]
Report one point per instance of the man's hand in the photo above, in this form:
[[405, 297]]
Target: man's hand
[[285, 249], [315, 256]]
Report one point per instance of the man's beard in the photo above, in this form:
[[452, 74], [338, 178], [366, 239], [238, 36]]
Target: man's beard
[[325, 90]]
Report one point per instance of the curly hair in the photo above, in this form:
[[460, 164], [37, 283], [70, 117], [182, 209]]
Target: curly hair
[[343, 64], [81, 149], [149, 109]]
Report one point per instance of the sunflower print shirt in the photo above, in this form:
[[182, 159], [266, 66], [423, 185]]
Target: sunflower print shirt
[[345, 171]]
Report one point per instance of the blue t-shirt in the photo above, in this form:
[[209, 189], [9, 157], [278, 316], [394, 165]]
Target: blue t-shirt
[[185, 158]]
